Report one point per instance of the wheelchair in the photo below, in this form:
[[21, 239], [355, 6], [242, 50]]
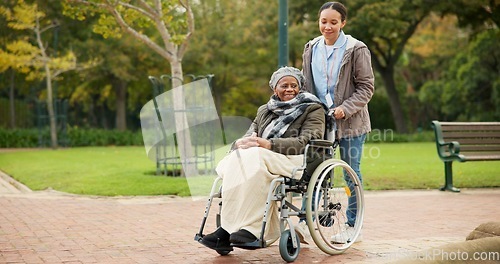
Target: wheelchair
[[331, 196]]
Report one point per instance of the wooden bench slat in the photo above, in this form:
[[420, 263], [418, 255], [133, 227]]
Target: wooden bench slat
[[478, 141], [475, 141], [472, 128], [471, 141], [479, 153], [489, 148], [468, 134], [482, 157], [475, 124], [493, 129]]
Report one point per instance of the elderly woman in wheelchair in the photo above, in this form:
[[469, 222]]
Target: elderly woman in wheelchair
[[282, 153]]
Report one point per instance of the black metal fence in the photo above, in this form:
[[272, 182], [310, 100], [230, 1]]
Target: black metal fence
[[167, 153], [43, 122], [28, 114]]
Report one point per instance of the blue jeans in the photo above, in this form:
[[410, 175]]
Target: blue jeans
[[351, 151]]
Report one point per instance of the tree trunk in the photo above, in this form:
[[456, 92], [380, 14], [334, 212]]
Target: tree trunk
[[92, 117], [103, 114], [12, 100], [394, 102], [50, 109], [121, 104], [181, 125]]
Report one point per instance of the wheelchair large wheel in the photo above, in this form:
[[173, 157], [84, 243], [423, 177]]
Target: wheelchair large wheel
[[334, 206], [287, 251]]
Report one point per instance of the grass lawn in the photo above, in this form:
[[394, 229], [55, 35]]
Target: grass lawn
[[112, 171], [417, 166]]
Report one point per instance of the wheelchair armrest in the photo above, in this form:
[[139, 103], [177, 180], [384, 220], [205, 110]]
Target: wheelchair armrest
[[321, 143]]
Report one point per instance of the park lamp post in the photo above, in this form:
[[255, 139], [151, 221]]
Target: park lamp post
[[283, 33]]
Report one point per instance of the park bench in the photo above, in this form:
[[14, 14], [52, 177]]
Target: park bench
[[465, 141]]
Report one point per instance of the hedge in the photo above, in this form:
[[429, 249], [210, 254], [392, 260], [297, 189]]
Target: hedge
[[76, 137], [32, 138]]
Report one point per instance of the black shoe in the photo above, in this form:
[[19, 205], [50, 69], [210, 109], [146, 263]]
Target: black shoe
[[218, 240], [241, 237]]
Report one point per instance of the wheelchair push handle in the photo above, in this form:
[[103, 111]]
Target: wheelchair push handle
[[331, 126]]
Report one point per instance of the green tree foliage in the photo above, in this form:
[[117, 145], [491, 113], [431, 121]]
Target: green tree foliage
[[386, 27], [114, 85], [303, 26], [164, 26], [425, 58], [476, 13], [470, 88], [237, 42], [239, 49], [110, 94], [31, 56], [455, 70]]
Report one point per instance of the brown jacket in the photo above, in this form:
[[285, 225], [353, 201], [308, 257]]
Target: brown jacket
[[310, 125], [355, 86]]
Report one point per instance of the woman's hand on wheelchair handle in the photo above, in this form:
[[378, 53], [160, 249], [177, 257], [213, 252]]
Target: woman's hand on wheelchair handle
[[338, 113]]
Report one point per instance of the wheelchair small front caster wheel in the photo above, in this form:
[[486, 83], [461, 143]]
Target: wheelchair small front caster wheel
[[287, 251], [223, 252]]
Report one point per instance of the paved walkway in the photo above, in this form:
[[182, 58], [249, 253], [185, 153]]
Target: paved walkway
[[52, 227]]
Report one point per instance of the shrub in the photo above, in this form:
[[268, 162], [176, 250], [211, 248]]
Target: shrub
[[389, 136], [18, 138], [31, 138], [78, 137], [101, 137]]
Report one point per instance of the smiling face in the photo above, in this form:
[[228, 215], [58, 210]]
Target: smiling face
[[287, 88], [330, 24]]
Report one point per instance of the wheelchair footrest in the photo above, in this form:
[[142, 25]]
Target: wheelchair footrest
[[250, 245]]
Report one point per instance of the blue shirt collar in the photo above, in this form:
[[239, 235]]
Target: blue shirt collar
[[341, 41]]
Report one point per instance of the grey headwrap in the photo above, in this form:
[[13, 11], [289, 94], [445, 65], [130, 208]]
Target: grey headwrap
[[287, 71]]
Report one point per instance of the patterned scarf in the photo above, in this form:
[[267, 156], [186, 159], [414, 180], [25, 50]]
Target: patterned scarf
[[288, 111]]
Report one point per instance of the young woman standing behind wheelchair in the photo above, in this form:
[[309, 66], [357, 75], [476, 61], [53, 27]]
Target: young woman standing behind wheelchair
[[338, 70], [272, 147]]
